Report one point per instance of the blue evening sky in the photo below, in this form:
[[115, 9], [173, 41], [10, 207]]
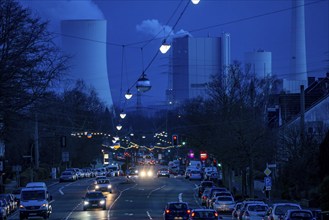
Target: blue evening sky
[[252, 24]]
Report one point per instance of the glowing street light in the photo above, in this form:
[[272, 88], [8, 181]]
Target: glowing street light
[[165, 47], [128, 95], [119, 127], [195, 2], [123, 115]]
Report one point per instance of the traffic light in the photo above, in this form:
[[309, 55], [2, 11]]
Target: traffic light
[[175, 140]]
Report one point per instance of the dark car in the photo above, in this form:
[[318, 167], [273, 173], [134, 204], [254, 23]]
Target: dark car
[[176, 210], [203, 185], [163, 172], [94, 200], [205, 214]]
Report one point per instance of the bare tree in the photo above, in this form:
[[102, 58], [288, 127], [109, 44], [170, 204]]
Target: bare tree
[[30, 63]]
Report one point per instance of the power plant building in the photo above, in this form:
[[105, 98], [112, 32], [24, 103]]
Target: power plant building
[[259, 63], [85, 41], [193, 62]]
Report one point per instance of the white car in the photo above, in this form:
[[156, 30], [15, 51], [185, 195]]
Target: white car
[[195, 175], [254, 211], [224, 204], [278, 210], [103, 185]]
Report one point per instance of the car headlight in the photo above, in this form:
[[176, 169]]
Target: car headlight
[[143, 173], [109, 186], [97, 187], [21, 207], [149, 173], [102, 202], [85, 202], [136, 171]]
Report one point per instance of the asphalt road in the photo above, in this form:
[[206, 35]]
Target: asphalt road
[[139, 198]]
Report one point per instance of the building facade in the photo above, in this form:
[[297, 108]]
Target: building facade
[[193, 62]]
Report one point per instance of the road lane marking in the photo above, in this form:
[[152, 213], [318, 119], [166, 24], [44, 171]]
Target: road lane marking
[[60, 191], [109, 210], [148, 215], [75, 208], [148, 196], [180, 197]]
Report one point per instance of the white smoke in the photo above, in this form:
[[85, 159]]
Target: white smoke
[[56, 10], [154, 28]]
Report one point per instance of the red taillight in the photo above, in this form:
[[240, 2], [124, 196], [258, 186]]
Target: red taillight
[[216, 214], [188, 211], [193, 214], [167, 211]]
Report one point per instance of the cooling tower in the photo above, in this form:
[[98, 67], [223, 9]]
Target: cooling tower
[[298, 70], [85, 41], [259, 63]]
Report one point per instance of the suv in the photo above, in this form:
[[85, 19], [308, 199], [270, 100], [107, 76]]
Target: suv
[[176, 210], [35, 202]]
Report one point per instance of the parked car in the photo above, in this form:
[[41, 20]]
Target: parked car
[[224, 204], [10, 199], [240, 211], [94, 200], [68, 176], [236, 209], [215, 195], [203, 185], [254, 211], [163, 172], [212, 192], [3, 211], [205, 195], [195, 175], [278, 210], [176, 210], [5, 206], [17, 194], [206, 214], [302, 214]]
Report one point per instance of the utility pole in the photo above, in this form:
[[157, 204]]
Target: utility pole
[[36, 142], [302, 114]]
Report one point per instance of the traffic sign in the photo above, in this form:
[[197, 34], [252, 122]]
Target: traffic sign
[[267, 171], [268, 182]]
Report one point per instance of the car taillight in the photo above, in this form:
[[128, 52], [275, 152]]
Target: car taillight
[[216, 214], [193, 214], [188, 211], [167, 211]]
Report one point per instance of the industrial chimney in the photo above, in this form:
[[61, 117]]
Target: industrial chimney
[[298, 70]]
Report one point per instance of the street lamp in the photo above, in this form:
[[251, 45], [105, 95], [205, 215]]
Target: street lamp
[[143, 84], [122, 115], [119, 127], [195, 2], [128, 95], [164, 47]]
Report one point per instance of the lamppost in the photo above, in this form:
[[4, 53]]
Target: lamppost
[[31, 162]]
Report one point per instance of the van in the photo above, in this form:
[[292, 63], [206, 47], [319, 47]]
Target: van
[[36, 185], [35, 201]]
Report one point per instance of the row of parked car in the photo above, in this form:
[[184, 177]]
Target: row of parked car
[[73, 174], [221, 200], [8, 204]]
